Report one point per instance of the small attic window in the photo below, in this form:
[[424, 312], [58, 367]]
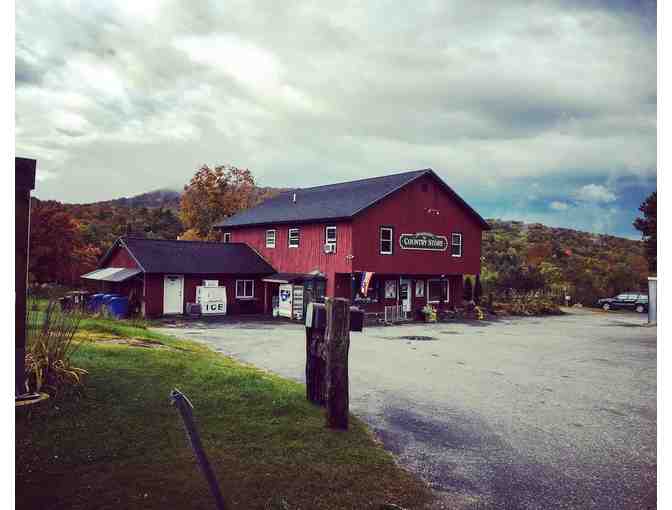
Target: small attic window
[[424, 187]]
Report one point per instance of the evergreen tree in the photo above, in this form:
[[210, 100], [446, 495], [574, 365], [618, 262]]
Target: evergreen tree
[[478, 290], [648, 227], [468, 294]]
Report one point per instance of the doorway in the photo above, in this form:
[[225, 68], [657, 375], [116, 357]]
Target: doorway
[[173, 286], [405, 295]]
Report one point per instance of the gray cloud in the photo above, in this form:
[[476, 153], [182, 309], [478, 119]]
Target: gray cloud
[[138, 94]]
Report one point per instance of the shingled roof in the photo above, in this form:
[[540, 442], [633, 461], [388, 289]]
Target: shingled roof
[[333, 201], [192, 257]]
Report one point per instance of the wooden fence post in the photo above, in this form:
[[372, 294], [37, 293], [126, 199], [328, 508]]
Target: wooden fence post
[[184, 406], [315, 366], [337, 339]]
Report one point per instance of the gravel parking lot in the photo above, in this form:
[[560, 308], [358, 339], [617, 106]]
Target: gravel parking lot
[[529, 413]]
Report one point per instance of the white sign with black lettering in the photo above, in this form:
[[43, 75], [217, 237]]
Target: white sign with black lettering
[[212, 300]]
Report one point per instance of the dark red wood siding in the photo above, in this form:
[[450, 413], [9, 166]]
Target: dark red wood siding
[[309, 256], [121, 258], [154, 293], [407, 212]]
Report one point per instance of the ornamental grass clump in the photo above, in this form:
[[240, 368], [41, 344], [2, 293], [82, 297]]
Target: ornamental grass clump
[[50, 346]]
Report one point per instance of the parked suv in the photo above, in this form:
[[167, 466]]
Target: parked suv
[[630, 300]]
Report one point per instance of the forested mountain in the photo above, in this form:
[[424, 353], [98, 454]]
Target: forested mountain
[[160, 198], [530, 256]]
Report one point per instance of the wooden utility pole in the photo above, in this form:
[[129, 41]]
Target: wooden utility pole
[[337, 339]]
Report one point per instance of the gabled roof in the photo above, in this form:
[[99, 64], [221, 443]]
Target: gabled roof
[[333, 201], [192, 257]]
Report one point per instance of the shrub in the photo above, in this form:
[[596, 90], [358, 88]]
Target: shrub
[[478, 289], [530, 305], [50, 346], [468, 294]]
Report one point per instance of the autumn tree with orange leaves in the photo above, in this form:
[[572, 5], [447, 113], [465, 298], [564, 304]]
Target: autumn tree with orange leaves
[[58, 253], [212, 195]]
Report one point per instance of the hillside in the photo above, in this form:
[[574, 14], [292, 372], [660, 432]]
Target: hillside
[[166, 198], [528, 256]]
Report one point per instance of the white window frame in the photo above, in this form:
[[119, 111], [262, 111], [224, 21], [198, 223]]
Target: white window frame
[[391, 240], [420, 286], [245, 295], [442, 281], [326, 235], [227, 237], [454, 235], [271, 244], [289, 237]]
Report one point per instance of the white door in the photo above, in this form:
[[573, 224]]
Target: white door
[[173, 286], [405, 294]]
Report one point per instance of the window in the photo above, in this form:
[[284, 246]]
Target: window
[[419, 288], [390, 289], [227, 237], [456, 244], [386, 235], [293, 238], [270, 238], [330, 236], [437, 290], [244, 289]]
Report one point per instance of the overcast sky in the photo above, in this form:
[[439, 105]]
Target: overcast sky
[[538, 111]]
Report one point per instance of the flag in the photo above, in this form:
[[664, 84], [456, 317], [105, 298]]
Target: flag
[[366, 280]]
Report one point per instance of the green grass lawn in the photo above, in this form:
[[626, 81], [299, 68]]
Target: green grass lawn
[[122, 445]]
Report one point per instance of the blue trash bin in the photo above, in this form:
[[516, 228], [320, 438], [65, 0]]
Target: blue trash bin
[[95, 301], [109, 297], [118, 307]]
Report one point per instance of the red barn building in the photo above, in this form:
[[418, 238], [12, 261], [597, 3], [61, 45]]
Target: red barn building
[[163, 276], [409, 234]]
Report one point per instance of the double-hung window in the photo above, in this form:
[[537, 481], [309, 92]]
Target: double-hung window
[[456, 244], [227, 237], [270, 238], [244, 289], [330, 238], [386, 236], [293, 238]]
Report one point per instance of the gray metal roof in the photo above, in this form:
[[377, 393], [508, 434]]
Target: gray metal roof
[[112, 274], [332, 202]]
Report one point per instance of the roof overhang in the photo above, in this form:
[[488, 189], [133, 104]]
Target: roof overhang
[[292, 277], [112, 274]]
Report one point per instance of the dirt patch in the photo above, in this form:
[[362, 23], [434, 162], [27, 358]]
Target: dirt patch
[[417, 337], [133, 342]]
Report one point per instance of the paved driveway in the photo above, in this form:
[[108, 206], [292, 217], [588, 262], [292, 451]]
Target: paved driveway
[[529, 413]]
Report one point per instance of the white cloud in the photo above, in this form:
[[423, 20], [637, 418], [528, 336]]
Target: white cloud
[[558, 206], [490, 95], [595, 193]]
